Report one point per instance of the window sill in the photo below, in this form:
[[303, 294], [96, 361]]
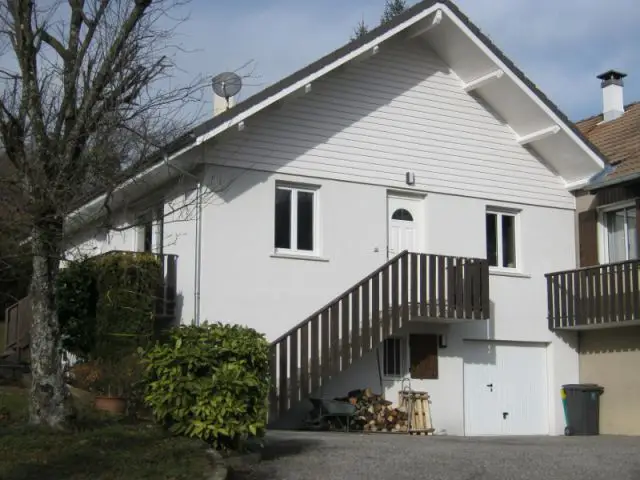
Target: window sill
[[293, 256], [508, 273]]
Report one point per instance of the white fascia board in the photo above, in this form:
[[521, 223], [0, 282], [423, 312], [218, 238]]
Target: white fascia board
[[435, 21], [97, 202], [557, 120], [314, 76]]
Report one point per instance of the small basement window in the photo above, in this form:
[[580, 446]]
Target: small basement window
[[296, 220], [501, 239], [393, 361]]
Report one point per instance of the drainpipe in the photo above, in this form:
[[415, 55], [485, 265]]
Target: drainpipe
[[198, 255]]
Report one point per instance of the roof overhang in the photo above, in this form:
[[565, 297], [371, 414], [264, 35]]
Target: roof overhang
[[484, 71], [537, 123]]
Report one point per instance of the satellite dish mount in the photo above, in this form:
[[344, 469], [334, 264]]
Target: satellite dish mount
[[226, 85]]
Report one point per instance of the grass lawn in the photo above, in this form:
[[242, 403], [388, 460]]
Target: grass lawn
[[107, 450]]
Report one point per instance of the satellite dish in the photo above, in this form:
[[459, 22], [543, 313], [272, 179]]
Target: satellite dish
[[226, 85]]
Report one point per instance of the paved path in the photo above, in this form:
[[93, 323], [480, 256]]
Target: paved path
[[327, 456]]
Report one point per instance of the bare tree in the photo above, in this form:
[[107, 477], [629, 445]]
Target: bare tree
[[87, 93]]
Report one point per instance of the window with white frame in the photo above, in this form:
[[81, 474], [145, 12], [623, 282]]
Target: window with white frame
[[393, 358], [150, 231], [296, 220], [620, 237], [502, 241]]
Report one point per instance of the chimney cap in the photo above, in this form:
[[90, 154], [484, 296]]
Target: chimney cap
[[611, 77]]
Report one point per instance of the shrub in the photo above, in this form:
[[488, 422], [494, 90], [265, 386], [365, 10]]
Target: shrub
[[125, 312], [106, 304], [210, 382], [76, 298]]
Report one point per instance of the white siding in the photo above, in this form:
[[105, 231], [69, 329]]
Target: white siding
[[243, 283], [180, 239], [95, 240], [402, 110]]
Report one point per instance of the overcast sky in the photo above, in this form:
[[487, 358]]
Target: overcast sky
[[561, 45]]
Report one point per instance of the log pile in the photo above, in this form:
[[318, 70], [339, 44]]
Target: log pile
[[374, 413]]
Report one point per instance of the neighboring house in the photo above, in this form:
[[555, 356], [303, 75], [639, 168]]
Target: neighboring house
[[420, 136], [605, 293]]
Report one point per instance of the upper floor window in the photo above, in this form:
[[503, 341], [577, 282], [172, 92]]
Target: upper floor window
[[501, 239], [150, 231], [620, 235], [295, 221]]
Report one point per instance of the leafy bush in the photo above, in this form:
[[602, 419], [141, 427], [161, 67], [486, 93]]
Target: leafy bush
[[210, 382], [125, 311], [106, 304], [76, 297]]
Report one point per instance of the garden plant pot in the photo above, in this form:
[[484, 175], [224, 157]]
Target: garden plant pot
[[114, 405]]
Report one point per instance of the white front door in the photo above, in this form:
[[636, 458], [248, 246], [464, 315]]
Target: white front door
[[404, 222], [505, 389]]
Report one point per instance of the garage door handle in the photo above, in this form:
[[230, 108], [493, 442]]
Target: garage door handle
[[505, 415], [490, 385]]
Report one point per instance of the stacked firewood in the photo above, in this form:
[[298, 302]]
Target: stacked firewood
[[374, 413]]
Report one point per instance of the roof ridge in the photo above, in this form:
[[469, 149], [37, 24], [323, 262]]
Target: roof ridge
[[628, 105]]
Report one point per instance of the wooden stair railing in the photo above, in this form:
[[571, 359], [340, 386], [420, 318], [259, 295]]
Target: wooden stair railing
[[409, 285], [17, 330]]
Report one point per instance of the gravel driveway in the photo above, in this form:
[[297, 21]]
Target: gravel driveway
[[324, 455]]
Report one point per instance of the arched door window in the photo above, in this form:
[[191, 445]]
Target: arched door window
[[403, 215]]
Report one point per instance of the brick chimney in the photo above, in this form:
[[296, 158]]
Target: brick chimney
[[612, 94]]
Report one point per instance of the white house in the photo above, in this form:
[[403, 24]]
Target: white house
[[421, 136]]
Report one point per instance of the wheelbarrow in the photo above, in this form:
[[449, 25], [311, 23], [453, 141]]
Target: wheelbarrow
[[330, 413]]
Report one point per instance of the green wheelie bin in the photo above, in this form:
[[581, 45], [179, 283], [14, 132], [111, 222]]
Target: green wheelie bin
[[581, 404]]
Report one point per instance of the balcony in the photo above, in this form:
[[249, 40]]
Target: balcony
[[18, 316], [596, 297]]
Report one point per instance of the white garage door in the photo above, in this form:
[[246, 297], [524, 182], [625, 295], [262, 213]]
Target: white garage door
[[505, 389]]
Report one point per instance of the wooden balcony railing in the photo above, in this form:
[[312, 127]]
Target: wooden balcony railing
[[409, 286], [17, 329], [593, 297], [18, 316]]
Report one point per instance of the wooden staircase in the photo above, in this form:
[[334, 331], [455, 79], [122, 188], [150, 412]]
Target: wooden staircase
[[407, 287]]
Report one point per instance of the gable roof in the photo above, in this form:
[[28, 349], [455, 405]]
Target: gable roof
[[294, 82], [619, 140]]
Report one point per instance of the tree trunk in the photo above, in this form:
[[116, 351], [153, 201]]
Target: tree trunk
[[48, 390]]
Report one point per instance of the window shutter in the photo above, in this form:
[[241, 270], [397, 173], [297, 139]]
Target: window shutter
[[424, 356], [588, 233]]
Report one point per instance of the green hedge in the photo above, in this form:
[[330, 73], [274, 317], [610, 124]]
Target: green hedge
[[210, 382], [106, 303]]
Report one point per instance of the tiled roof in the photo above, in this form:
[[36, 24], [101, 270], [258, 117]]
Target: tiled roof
[[618, 140]]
